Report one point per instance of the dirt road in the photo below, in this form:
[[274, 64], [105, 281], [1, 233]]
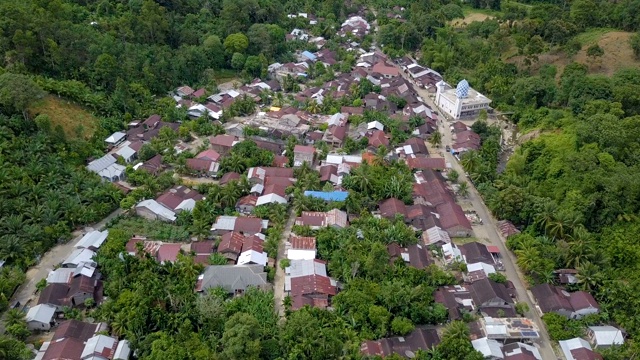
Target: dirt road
[[278, 281], [26, 292]]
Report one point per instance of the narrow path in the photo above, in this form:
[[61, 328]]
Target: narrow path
[[278, 281], [53, 257]]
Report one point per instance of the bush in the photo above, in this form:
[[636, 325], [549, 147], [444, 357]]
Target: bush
[[401, 326]]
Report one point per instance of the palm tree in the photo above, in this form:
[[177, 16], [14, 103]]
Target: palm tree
[[436, 139], [589, 277], [279, 99], [14, 316], [463, 189], [471, 161], [546, 216], [455, 330]]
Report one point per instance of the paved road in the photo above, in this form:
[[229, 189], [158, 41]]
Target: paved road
[[278, 281], [489, 226], [26, 291]]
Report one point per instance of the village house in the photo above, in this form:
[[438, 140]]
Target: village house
[[107, 168], [602, 337], [241, 224], [40, 317], [316, 219], [222, 144], [169, 204], [152, 166], [578, 349], [202, 251], [404, 346], [234, 279], [573, 305], [302, 154], [313, 290], [415, 255], [301, 248], [205, 163]]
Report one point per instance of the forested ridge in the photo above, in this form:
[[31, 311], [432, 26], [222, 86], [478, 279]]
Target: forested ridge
[[573, 189]]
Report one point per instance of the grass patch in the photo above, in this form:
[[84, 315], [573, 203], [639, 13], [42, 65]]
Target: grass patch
[[466, 240], [154, 230], [469, 11], [592, 36], [225, 75], [75, 120]]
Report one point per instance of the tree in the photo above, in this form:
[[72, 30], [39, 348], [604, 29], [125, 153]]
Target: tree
[[436, 139], [241, 337], [236, 43], [463, 189], [634, 41], [17, 92], [237, 61], [453, 175], [498, 277], [401, 326], [594, 52], [218, 259], [522, 308]]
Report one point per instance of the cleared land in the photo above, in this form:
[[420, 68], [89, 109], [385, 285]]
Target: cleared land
[[617, 53], [74, 119], [469, 18]]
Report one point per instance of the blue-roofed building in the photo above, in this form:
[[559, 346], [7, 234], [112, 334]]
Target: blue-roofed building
[[309, 55], [328, 195]]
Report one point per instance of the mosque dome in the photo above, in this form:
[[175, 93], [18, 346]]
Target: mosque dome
[[462, 90]]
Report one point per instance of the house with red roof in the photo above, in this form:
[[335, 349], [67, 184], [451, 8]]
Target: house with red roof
[[222, 143], [302, 154], [574, 305], [378, 138], [386, 70], [312, 290], [453, 220]]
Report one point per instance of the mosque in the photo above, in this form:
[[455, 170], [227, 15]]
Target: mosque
[[461, 102]]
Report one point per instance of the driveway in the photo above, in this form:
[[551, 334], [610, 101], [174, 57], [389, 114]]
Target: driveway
[[278, 280], [26, 292]]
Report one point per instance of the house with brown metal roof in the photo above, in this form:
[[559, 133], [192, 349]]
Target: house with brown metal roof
[[228, 177], [415, 255], [55, 295], [453, 220], [202, 251], [317, 219], [312, 290], [153, 166], [231, 245], [555, 299], [404, 346], [222, 143], [301, 248]]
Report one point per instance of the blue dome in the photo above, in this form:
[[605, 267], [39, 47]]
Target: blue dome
[[462, 90]]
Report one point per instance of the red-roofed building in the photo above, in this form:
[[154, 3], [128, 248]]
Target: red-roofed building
[[209, 154], [246, 204], [302, 154], [202, 251], [230, 176], [453, 220], [168, 253], [426, 163], [198, 93], [153, 166], [222, 143], [388, 71], [203, 167], [280, 161], [391, 207], [378, 138], [312, 290], [231, 245]]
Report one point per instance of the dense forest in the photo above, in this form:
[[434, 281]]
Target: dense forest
[[572, 189]]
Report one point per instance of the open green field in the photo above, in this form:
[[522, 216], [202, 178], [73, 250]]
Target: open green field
[[74, 119]]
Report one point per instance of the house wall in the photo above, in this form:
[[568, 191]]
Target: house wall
[[458, 231], [296, 254], [146, 213], [450, 108], [36, 325], [584, 312], [245, 209]]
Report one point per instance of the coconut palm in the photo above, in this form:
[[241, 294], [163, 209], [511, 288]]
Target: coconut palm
[[463, 189], [436, 139]]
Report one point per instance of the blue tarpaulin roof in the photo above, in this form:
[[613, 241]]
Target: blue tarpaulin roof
[[308, 55], [328, 196]]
